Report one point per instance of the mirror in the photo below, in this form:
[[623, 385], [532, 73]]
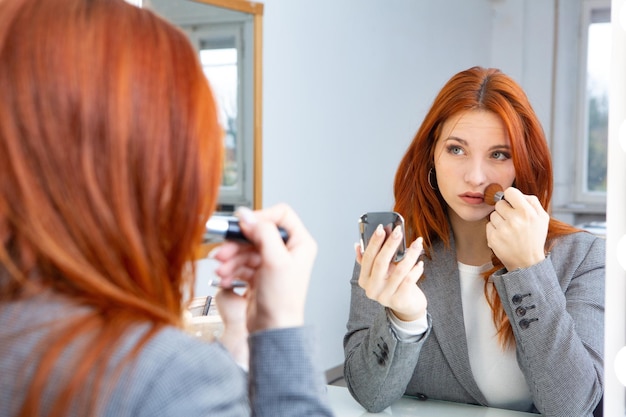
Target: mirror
[[227, 35]]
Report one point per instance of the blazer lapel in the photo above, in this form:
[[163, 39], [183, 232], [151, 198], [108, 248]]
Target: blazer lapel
[[443, 291]]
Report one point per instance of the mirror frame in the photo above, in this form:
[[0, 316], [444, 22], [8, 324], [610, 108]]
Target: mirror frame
[[256, 10]]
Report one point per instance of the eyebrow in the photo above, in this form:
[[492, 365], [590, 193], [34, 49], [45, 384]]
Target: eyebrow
[[464, 142]]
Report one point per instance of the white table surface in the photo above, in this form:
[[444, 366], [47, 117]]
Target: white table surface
[[344, 405]]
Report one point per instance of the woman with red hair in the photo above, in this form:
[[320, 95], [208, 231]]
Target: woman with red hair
[[506, 308], [110, 162]]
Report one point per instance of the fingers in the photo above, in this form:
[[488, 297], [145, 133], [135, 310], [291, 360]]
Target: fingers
[[513, 197], [229, 276], [398, 280], [517, 230], [261, 230], [280, 215], [277, 273], [237, 262], [232, 308], [226, 250], [518, 200], [358, 253], [386, 278], [535, 204], [371, 251], [405, 271], [517, 210]]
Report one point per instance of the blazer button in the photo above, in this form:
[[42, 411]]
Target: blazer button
[[521, 311], [525, 323], [421, 397], [517, 298]]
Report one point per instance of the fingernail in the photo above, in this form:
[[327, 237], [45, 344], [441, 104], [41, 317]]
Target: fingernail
[[397, 232], [246, 215], [379, 230], [418, 244], [358, 246]]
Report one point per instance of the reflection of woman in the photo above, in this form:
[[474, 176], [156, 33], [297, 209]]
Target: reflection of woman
[[110, 155], [515, 298]]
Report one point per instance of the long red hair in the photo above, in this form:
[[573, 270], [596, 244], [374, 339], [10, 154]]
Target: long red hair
[[110, 162], [423, 207]]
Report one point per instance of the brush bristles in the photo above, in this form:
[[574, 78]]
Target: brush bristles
[[493, 194]]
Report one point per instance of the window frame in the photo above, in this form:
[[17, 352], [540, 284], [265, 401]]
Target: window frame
[[249, 16], [581, 193], [242, 194]]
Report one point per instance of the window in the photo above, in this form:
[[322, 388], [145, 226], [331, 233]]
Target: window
[[227, 35], [594, 87], [222, 55], [219, 61]]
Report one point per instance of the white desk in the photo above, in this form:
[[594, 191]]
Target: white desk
[[344, 405]]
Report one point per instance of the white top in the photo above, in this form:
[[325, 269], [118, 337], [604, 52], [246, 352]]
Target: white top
[[495, 370]]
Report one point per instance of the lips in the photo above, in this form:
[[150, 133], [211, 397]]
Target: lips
[[472, 198]]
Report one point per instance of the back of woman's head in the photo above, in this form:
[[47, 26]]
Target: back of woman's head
[[476, 88], [110, 154], [110, 158]]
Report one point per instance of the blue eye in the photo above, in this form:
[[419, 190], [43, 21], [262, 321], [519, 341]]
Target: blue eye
[[501, 155], [455, 150]]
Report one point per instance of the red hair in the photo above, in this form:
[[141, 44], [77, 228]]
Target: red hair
[[423, 207], [110, 162]]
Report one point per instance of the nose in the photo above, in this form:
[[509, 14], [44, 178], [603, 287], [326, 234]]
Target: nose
[[475, 174]]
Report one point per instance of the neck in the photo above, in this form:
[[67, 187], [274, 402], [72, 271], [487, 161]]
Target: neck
[[470, 240]]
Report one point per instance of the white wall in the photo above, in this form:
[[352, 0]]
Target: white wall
[[346, 84]]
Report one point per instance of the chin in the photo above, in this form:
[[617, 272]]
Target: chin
[[483, 219], [472, 216]]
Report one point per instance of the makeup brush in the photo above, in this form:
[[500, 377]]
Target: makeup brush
[[493, 194]]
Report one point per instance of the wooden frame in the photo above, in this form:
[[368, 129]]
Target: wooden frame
[[250, 7]]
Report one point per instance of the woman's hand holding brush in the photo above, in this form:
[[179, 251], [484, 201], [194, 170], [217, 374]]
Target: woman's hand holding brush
[[517, 230]]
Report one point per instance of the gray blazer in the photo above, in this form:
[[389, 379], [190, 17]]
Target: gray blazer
[[559, 342], [174, 375]]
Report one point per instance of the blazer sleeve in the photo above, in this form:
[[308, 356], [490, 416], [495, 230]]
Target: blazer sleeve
[[196, 378], [556, 309], [177, 375], [284, 378], [377, 367]]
